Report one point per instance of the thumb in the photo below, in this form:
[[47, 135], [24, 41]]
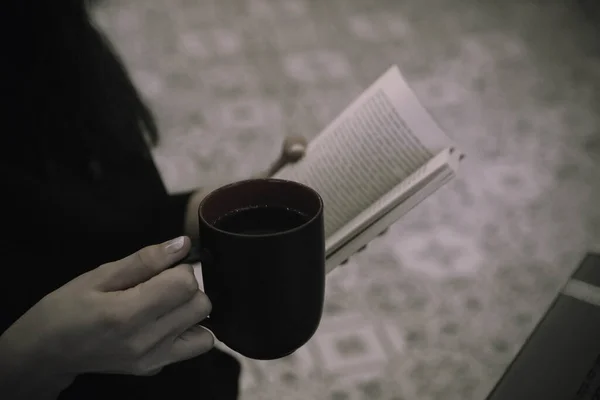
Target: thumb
[[294, 148], [141, 265]]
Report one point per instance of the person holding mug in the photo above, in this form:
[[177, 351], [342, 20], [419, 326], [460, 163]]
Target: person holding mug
[[94, 298], [131, 316], [263, 259]]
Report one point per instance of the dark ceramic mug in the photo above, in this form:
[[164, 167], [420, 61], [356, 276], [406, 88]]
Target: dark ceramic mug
[[266, 286]]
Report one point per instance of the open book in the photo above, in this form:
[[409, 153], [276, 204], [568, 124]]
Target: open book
[[379, 158]]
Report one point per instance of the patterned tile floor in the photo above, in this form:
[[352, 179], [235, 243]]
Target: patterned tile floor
[[437, 307]]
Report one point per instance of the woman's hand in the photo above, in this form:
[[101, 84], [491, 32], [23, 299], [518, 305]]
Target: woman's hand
[[292, 150], [131, 316]]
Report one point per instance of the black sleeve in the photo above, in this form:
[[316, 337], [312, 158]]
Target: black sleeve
[[55, 232], [174, 214], [44, 246], [32, 245]]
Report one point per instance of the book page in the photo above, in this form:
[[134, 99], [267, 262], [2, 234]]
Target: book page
[[359, 239], [442, 165], [383, 137]]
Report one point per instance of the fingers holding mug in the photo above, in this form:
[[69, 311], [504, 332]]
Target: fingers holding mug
[[175, 323], [186, 316], [141, 266], [193, 342]]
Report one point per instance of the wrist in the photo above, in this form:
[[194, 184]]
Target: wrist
[[24, 375]]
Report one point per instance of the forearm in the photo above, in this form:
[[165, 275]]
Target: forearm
[[21, 386], [23, 376]]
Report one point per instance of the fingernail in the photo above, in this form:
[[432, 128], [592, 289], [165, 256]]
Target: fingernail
[[174, 245], [297, 148]]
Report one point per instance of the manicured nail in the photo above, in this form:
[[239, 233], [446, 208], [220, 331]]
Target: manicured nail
[[174, 245], [297, 148], [296, 151]]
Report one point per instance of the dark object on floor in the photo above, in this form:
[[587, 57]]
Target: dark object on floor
[[561, 358]]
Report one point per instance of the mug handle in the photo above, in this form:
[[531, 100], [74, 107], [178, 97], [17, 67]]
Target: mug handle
[[197, 255]]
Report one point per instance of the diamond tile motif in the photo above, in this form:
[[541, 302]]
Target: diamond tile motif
[[291, 371], [378, 28], [230, 80], [365, 385], [443, 375], [210, 44], [345, 349], [274, 9], [247, 113], [317, 66], [442, 254]]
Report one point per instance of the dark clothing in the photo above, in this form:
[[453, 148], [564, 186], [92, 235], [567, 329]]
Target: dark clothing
[[79, 186], [55, 230]]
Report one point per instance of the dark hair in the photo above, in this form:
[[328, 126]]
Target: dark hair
[[67, 94]]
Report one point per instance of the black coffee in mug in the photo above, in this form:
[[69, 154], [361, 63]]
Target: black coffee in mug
[[261, 220], [262, 248]]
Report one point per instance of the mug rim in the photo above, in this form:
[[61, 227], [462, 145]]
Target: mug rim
[[262, 235]]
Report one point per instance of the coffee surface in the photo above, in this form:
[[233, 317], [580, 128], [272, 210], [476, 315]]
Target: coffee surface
[[261, 220]]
